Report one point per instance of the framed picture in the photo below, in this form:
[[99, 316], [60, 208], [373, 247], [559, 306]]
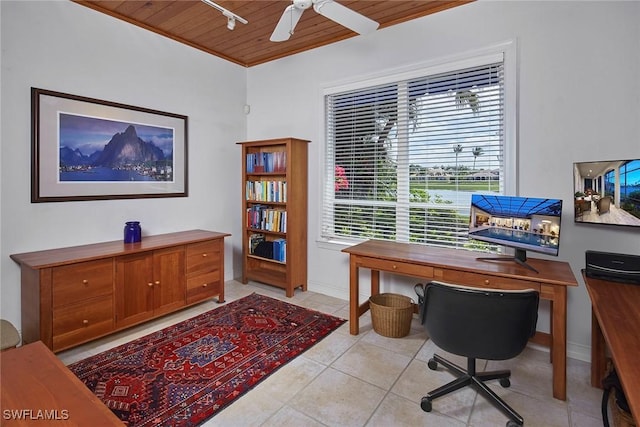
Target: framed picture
[[89, 149]]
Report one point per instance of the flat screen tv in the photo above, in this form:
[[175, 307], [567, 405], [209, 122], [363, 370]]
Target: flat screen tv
[[607, 192], [522, 223]]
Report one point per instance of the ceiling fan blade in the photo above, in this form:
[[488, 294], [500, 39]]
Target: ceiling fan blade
[[286, 24], [345, 16]]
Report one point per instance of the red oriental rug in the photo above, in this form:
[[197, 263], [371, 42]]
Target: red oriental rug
[[184, 374]]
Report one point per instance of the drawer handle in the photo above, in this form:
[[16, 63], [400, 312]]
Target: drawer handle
[[85, 282], [395, 267], [157, 282], [150, 285], [85, 322], [486, 282], [204, 255], [204, 285]]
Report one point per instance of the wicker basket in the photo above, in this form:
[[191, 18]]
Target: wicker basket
[[621, 418], [391, 314]]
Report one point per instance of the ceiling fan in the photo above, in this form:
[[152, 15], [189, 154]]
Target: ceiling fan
[[327, 8]]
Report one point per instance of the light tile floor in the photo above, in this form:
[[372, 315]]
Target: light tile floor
[[370, 380]]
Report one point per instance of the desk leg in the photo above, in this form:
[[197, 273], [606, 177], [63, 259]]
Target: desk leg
[[598, 356], [551, 314], [354, 297], [375, 282], [559, 341]]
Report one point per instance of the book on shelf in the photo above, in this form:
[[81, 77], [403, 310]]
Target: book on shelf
[[265, 218], [254, 240], [264, 249], [267, 191], [280, 250], [270, 162], [272, 249]]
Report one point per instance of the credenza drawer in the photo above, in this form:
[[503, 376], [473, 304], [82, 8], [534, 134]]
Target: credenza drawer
[[76, 323], [203, 256], [484, 281], [77, 282], [203, 286]]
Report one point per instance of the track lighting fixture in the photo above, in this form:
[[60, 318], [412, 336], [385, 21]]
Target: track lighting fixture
[[231, 17], [231, 21]]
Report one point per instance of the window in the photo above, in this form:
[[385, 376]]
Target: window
[[610, 183], [404, 156], [630, 187]]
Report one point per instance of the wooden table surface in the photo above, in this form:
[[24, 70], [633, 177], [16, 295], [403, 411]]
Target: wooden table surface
[[36, 389], [616, 307]]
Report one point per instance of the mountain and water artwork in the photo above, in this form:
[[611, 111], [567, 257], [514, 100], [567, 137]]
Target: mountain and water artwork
[[97, 149]]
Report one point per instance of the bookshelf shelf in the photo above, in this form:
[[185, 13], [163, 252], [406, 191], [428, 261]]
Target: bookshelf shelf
[[266, 259], [260, 230], [274, 212]]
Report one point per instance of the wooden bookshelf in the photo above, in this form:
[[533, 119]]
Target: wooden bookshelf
[[274, 212]]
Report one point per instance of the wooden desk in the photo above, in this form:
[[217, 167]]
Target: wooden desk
[[37, 389], [462, 267], [615, 322]]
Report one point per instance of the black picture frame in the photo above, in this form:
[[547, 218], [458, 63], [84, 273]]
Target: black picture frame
[[91, 149]]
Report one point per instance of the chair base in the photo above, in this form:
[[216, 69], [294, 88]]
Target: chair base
[[475, 380]]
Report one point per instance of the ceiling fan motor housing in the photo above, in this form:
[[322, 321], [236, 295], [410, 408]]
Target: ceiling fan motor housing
[[302, 4]]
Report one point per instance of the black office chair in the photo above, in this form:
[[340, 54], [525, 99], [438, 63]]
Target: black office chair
[[477, 323]]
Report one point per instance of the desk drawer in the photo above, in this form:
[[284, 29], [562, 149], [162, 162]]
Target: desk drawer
[[405, 268], [485, 281]]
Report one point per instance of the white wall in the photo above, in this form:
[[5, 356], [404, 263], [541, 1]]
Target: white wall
[[579, 100], [69, 48]]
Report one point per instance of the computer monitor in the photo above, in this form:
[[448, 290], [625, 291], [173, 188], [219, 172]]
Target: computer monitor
[[522, 223]]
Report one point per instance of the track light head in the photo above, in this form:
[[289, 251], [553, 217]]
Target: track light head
[[231, 23], [231, 17]]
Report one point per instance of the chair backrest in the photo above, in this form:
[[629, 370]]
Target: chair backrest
[[480, 323], [604, 204]]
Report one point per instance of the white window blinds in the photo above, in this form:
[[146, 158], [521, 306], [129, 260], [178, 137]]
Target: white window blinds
[[403, 158]]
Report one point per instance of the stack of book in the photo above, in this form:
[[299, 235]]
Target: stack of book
[[267, 162], [271, 249], [267, 191], [264, 218]]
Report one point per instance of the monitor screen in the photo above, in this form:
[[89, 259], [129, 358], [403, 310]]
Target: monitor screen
[[523, 223], [607, 192]]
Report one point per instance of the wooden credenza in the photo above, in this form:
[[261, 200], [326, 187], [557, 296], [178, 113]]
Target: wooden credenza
[[463, 267], [76, 294]]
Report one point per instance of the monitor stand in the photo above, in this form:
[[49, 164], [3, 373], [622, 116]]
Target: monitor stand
[[520, 257]]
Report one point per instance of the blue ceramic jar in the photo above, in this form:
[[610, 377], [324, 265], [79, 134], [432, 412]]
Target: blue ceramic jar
[[132, 232]]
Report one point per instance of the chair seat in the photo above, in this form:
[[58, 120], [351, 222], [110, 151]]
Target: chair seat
[[9, 336]]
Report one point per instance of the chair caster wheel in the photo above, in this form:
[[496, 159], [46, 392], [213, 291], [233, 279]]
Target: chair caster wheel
[[512, 423], [425, 404], [432, 364], [505, 382]]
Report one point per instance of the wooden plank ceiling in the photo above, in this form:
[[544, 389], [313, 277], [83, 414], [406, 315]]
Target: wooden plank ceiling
[[196, 24]]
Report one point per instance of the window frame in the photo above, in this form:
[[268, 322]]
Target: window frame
[[505, 52]]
